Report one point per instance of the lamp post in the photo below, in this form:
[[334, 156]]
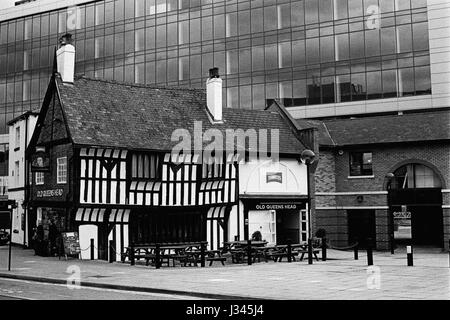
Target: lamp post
[[308, 157]]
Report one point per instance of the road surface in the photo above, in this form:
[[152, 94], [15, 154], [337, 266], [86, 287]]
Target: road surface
[[11, 289]]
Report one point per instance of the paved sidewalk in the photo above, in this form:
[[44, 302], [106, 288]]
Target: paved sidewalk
[[340, 277]]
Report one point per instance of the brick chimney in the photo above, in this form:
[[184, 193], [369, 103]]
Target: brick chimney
[[65, 57], [214, 94]]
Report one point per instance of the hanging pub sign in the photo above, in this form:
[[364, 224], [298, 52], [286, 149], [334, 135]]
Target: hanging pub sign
[[274, 177], [40, 160]]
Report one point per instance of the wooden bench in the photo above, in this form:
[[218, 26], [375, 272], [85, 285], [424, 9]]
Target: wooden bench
[[215, 255], [279, 255], [305, 251], [221, 259]]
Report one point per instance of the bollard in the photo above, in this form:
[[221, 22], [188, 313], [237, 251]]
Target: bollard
[[249, 252], [324, 249], [157, 256], [355, 252], [392, 243], [112, 255], [202, 255], [310, 260], [92, 249], [289, 250], [369, 252], [132, 262], [409, 255]]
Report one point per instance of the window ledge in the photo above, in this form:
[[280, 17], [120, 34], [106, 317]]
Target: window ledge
[[361, 177]]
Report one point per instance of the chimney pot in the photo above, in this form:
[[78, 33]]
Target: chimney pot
[[65, 39], [214, 73]]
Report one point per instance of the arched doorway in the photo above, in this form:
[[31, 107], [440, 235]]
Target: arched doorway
[[415, 203]]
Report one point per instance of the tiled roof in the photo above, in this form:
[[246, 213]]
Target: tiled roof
[[108, 113], [413, 127], [325, 138]]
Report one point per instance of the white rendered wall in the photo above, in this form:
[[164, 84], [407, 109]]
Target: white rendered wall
[[14, 156], [253, 178]]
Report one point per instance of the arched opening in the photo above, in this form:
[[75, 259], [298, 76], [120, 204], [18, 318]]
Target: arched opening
[[415, 175], [415, 203]]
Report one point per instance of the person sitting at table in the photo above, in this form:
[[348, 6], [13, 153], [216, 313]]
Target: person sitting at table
[[257, 236]]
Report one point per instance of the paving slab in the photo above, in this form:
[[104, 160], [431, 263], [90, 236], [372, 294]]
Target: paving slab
[[341, 277]]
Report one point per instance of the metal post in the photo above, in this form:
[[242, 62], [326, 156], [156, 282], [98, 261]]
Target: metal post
[[202, 255], [369, 252], [310, 260], [289, 250], [324, 249], [355, 252], [409, 255], [392, 243], [112, 257], [10, 237], [157, 256], [132, 262], [249, 252], [92, 249]]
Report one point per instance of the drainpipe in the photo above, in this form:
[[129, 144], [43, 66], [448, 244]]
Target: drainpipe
[[25, 209]]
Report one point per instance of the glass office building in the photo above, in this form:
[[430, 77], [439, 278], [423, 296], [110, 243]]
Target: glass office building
[[305, 52]]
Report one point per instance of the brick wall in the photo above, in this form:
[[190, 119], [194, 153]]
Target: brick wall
[[332, 176]]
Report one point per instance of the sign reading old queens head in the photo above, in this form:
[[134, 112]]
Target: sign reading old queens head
[[40, 161], [52, 193]]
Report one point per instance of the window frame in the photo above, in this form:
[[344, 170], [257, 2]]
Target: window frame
[[17, 139], [362, 172], [59, 170], [39, 178]]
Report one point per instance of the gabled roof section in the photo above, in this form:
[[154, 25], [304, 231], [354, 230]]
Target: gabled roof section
[[412, 127], [51, 125], [133, 116]]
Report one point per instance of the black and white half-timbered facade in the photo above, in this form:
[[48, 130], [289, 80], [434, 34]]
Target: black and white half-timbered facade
[[102, 163]]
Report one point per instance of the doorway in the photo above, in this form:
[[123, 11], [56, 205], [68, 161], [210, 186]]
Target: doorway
[[288, 226], [427, 225], [361, 227], [416, 193]]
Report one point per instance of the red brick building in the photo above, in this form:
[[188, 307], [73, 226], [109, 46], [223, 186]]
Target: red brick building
[[384, 177]]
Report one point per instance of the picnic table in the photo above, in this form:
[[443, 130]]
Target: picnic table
[[259, 250], [215, 255], [183, 252]]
